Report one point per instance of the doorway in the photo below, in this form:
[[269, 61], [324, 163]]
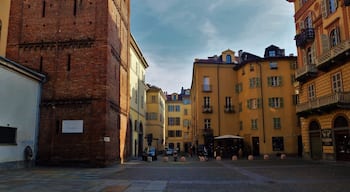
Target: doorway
[[256, 146]]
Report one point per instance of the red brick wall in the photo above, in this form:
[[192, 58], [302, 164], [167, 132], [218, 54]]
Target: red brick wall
[[81, 48]]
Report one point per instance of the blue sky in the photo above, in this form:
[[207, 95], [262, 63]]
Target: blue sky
[[172, 33]]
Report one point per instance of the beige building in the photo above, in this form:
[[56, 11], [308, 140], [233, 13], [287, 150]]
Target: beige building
[[323, 44], [179, 132], [246, 96], [138, 88], [4, 19], [155, 124]]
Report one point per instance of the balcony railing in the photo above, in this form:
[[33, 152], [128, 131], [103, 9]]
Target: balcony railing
[[338, 99], [307, 35], [332, 55], [305, 72], [207, 109], [206, 131], [229, 109]]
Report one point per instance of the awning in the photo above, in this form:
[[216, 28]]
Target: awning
[[228, 137]]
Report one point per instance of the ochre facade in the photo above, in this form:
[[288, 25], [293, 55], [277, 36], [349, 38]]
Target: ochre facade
[[323, 42], [246, 96]]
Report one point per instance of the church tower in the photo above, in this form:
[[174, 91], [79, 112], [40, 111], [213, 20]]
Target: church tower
[[83, 48]]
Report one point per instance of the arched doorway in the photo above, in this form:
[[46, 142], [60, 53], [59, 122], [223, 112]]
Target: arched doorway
[[342, 138], [315, 140]]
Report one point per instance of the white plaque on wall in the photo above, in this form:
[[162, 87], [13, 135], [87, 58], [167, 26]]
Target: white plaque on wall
[[72, 126]]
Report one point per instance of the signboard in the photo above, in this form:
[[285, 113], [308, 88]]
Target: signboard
[[72, 126], [326, 137]]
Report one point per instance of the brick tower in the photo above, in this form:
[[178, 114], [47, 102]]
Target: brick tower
[[82, 46]]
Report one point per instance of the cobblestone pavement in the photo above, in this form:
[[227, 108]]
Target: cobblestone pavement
[[192, 175]]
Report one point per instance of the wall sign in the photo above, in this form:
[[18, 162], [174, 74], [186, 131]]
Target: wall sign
[[326, 137], [72, 126]]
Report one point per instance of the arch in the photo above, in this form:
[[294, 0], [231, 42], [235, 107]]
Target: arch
[[314, 126], [315, 140], [340, 121], [342, 137]]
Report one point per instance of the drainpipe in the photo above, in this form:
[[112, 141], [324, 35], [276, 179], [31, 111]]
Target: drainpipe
[[219, 109]]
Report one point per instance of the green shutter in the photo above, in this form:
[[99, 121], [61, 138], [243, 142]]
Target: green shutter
[[269, 81], [280, 81], [281, 102]]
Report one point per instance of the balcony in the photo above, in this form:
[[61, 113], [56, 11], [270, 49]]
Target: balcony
[[229, 109], [324, 103], [335, 56], [207, 109], [206, 88], [306, 36], [306, 72], [206, 131]]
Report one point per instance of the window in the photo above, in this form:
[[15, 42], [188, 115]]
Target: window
[[151, 116], [253, 103], [174, 97], [251, 67], [239, 87], [172, 121], [206, 101], [332, 6], [185, 111], [334, 37], [228, 102], [254, 123], [186, 123], [274, 81], [272, 53], [177, 108], [240, 107], [8, 135], [276, 102], [254, 82], [178, 133], [273, 65], [311, 92], [277, 144], [206, 84], [308, 22], [295, 99], [171, 133], [337, 82], [153, 99], [207, 124], [328, 7], [171, 108], [241, 125], [277, 123], [228, 59]]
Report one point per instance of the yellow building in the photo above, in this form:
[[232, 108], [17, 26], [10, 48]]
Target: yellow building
[[179, 131], [138, 88], [155, 124], [4, 19], [246, 96], [323, 44]]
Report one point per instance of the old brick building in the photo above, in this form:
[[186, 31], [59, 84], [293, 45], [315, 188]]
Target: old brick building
[[83, 48]]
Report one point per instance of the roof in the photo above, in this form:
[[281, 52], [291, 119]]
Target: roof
[[9, 64]]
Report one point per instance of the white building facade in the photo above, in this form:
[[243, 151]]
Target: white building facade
[[20, 91]]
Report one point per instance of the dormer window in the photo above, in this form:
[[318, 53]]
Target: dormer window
[[228, 59], [272, 53]]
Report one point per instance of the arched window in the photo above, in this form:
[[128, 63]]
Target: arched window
[[314, 126], [334, 37], [340, 122]]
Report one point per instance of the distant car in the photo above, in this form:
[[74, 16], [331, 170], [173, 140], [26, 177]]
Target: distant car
[[152, 152], [169, 151]]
